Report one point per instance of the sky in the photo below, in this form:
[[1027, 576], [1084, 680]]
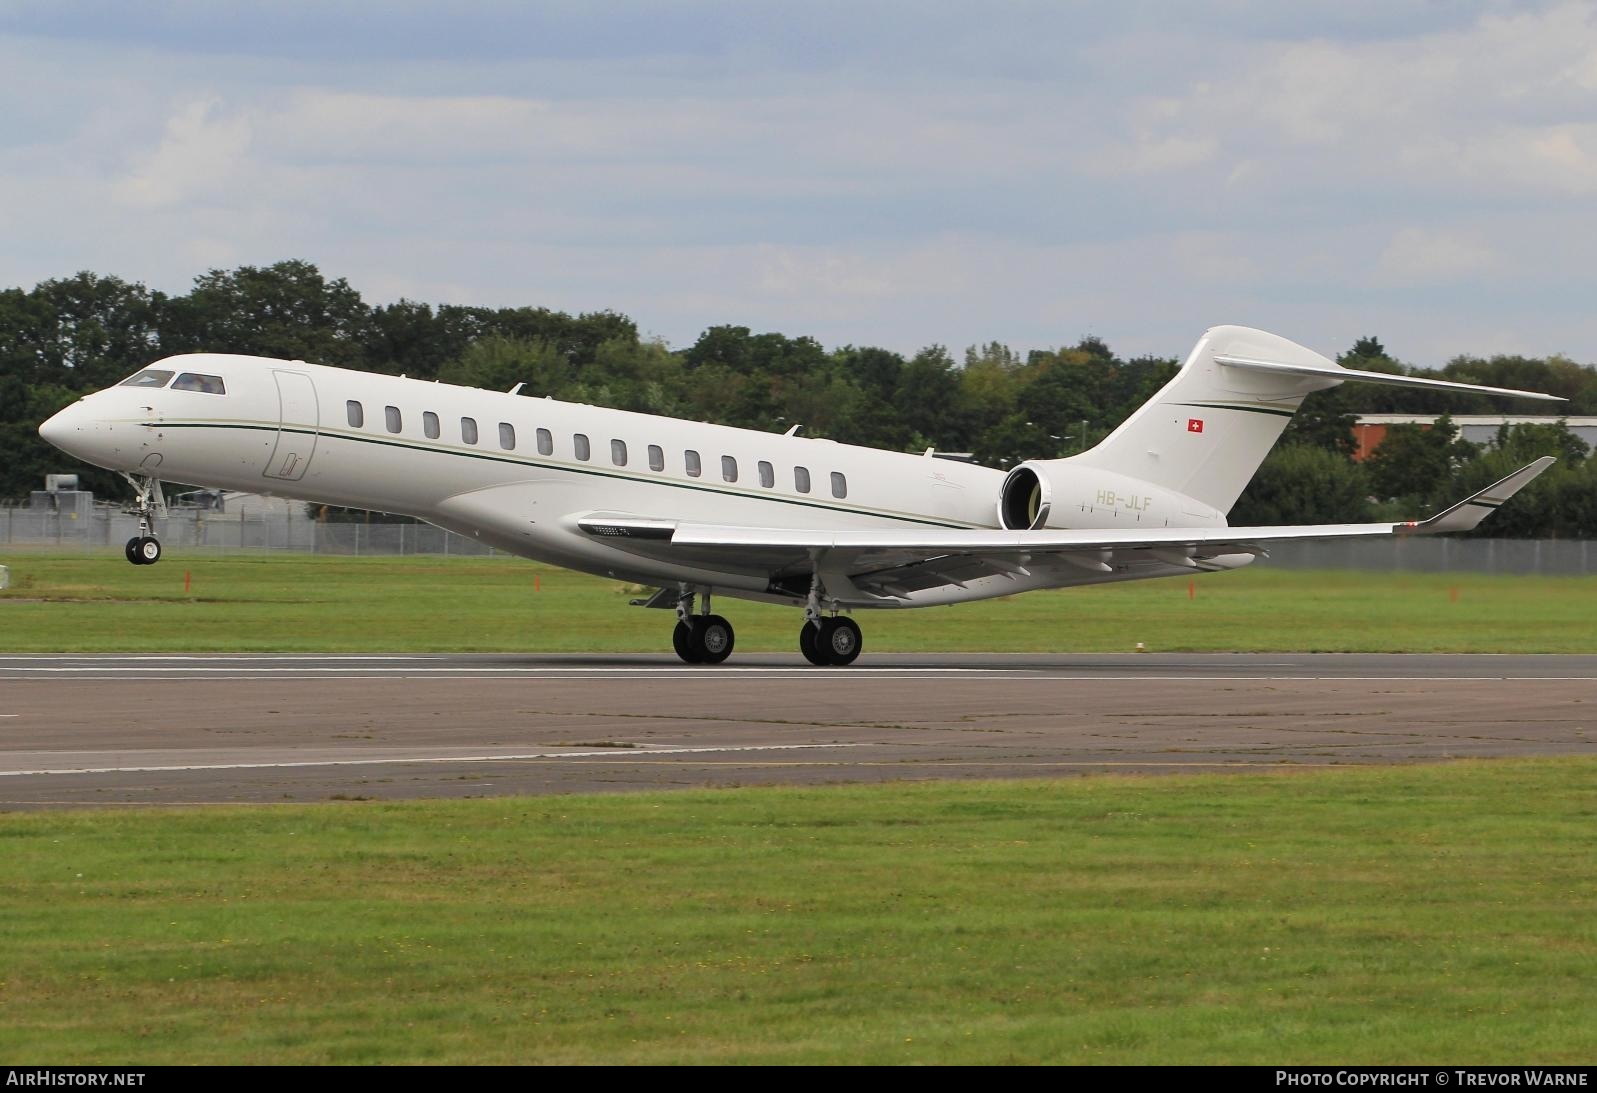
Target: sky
[[866, 173]]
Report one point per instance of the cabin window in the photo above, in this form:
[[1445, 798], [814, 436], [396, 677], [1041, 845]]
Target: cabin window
[[618, 452], [839, 485], [546, 442], [468, 430], [767, 475], [656, 458], [729, 469], [150, 377], [507, 436], [690, 460], [579, 441], [395, 422], [193, 381], [801, 479], [429, 424], [356, 414]]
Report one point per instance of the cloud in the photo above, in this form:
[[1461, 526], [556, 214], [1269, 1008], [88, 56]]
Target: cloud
[[1017, 172], [1427, 256], [199, 154]]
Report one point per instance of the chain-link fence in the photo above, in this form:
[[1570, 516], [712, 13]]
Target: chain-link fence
[[202, 530], [1440, 554]]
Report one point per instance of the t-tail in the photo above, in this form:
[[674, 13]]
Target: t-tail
[[1207, 430]]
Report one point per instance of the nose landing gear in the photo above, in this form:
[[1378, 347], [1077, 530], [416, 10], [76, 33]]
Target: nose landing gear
[[144, 548]]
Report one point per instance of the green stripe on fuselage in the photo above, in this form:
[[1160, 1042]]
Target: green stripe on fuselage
[[522, 461]]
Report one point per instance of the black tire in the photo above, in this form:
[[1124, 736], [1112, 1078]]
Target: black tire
[[841, 639], [712, 638], [148, 550], [682, 642], [131, 551], [810, 643]]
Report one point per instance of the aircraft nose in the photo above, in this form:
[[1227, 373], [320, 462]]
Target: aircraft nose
[[67, 430]]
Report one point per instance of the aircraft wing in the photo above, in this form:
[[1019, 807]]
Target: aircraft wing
[[890, 562]]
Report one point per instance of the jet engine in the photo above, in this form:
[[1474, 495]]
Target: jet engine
[[1025, 498]]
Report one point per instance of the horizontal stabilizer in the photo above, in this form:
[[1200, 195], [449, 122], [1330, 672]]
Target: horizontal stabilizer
[[1337, 372]]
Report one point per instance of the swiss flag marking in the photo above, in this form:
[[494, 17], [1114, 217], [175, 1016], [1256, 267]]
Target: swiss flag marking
[[1194, 425]]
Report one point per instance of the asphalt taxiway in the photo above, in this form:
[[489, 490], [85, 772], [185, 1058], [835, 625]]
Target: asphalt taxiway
[[80, 730]]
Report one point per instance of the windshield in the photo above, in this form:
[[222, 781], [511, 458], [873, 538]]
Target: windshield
[[193, 381], [150, 377]]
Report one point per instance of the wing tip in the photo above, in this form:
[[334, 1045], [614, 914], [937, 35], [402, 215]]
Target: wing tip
[[1468, 513]]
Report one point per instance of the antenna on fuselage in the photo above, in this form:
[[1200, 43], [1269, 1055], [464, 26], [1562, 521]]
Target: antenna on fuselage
[[516, 390]]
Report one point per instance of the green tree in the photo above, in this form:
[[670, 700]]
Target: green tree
[[1304, 484], [1531, 440], [498, 363], [286, 310], [1418, 461], [101, 329]]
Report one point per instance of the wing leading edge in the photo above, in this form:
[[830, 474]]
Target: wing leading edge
[[890, 563]]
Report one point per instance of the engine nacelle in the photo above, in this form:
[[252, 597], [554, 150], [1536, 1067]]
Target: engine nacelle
[[1063, 493], [1025, 499]]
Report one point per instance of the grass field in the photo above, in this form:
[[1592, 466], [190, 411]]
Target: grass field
[[82, 602], [1441, 914]]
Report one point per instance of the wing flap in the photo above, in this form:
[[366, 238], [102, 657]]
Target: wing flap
[[894, 562]]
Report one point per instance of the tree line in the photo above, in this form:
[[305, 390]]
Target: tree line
[[68, 336]]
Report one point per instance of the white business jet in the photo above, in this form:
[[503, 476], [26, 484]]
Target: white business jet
[[698, 509]]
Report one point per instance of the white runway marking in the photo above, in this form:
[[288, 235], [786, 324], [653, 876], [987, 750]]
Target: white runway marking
[[630, 753], [244, 657], [241, 672], [526, 670]]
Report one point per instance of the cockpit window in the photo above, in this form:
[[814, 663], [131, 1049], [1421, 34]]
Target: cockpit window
[[150, 377], [193, 381]]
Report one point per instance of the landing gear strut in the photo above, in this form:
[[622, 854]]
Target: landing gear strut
[[144, 548], [703, 638], [835, 640]]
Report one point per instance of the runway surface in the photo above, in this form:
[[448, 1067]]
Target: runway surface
[[103, 730]]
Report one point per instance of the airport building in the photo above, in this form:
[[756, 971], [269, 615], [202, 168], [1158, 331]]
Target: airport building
[[1370, 429]]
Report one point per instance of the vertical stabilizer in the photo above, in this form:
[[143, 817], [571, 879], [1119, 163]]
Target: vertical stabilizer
[[1207, 430]]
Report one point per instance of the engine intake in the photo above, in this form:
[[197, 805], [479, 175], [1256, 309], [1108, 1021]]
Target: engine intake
[[1024, 500]]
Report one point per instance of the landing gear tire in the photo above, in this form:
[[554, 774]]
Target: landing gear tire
[[705, 639], [143, 550], [682, 642], [810, 643], [841, 640], [836, 643], [712, 638]]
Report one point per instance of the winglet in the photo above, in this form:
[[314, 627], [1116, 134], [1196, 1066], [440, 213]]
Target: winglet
[[1472, 510]]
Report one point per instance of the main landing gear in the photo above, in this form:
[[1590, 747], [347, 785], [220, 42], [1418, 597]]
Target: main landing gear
[[144, 548], [833, 641], [703, 638]]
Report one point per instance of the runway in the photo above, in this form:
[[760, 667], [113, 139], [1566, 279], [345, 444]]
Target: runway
[[81, 730]]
